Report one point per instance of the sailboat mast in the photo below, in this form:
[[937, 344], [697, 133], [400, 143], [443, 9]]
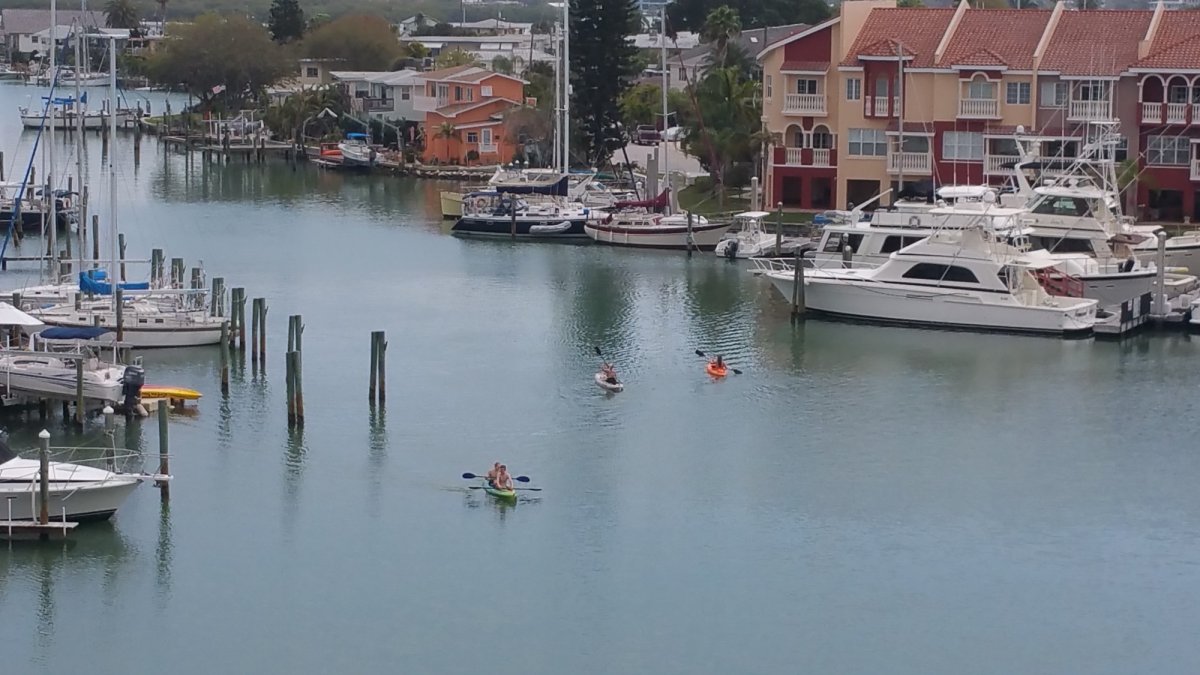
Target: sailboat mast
[[900, 118], [50, 144], [662, 59], [557, 104], [566, 99], [112, 168], [79, 146]]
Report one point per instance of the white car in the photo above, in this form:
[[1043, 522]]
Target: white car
[[673, 134]]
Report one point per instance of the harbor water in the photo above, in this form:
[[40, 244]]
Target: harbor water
[[860, 500]]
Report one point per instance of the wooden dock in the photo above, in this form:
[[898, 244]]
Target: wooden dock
[[249, 148], [31, 530]]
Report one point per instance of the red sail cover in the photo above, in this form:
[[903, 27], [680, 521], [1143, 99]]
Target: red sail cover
[[659, 202]]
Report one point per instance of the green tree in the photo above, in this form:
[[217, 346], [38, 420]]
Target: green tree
[[300, 115], [910, 3], [317, 20], [286, 21], [445, 132], [532, 129], [691, 14], [603, 65], [641, 104], [450, 58], [725, 126], [502, 64], [359, 41], [721, 26], [217, 51], [121, 14], [539, 77], [416, 50]]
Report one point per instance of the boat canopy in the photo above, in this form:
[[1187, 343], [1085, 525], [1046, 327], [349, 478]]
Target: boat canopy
[[356, 135], [655, 204], [558, 188], [11, 316], [95, 284], [68, 333], [752, 215]]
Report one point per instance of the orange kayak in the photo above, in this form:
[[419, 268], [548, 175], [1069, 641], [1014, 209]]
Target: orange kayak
[[715, 370]]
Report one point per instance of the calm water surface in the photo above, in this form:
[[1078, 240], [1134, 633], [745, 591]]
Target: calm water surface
[[861, 500]]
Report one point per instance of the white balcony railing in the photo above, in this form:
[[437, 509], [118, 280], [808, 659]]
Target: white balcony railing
[[1090, 111], [821, 157], [999, 165], [804, 104], [425, 103], [487, 148], [1152, 112], [1196, 169], [910, 162], [1177, 113], [881, 106], [979, 108], [793, 157]]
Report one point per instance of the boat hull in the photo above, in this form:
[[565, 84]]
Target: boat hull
[[671, 237], [82, 501], [474, 226], [452, 204], [39, 376], [603, 383], [935, 307], [147, 336]]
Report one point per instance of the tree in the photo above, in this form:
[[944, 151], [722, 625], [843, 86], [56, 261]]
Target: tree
[[121, 14], [447, 131], [691, 14], [725, 130], [286, 21], [450, 58], [540, 83], [360, 41], [910, 3], [721, 26], [532, 129], [641, 104], [300, 115], [502, 64], [416, 50], [602, 67], [230, 56]]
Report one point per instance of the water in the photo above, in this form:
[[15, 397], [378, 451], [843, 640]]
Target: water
[[861, 500]]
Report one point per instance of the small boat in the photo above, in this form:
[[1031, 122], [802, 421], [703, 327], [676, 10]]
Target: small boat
[[604, 384], [751, 240], [173, 393], [716, 371], [492, 214], [556, 228], [503, 495], [357, 152]]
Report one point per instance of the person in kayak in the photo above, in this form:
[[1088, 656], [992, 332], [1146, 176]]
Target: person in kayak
[[491, 475], [610, 373], [503, 481], [718, 363]]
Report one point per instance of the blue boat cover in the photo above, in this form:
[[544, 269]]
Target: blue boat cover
[[85, 333], [92, 282], [356, 135], [558, 189]]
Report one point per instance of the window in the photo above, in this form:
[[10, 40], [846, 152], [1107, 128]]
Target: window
[[472, 137], [1121, 151], [1168, 150], [895, 242], [1092, 91], [311, 71], [1054, 94], [962, 145], [932, 272], [980, 89], [470, 94], [853, 89], [835, 243], [405, 93], [485, 91], [1017, 93], [868, 143], [882, 85], [1178, 93], [458, 94], [487, 137], [1052, 205], [821, 138], [769, 87], [806, 86]]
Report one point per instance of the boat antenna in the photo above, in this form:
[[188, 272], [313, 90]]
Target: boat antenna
[[662, 56]]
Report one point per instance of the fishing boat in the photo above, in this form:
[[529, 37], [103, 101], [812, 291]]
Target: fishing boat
[[967, 279], [356, 151], [750, 238]]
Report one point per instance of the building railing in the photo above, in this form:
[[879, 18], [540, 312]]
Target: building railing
[[979, 108], [822, 157], [804, 104], [427, 103], [811, 157], [1000, 165], [1177, 113], [487, 148], [1152, 112], [1089, 110], [910, 162], [1196, 169]]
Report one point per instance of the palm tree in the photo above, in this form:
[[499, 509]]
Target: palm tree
[[447, 131], [121, 14], [720, 27]]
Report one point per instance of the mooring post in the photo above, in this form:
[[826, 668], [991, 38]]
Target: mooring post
[[177, 268], [217, 301], [121, 253], [778, 229], [254, 328], [235, 321], [95, 241], [16, 299], [262, 333], [156, 267], [374, 366], [689, 234], [79, 410], [224, 358], [513, 227], [44, 477], [289, 376], [120, 293], [382, 364], [164, 457], [798, 303]]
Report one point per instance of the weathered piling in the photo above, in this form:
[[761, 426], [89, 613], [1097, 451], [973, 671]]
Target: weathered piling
[[289, 369], [513, 221], [778, 229], [262, 334], [798, 303], [156, 267], [377, 393], [374, 372], [95, 241], [689, 234], [120, 303], [164, 457], [225, 358], [197, 279], [295, 371], [254, 328], [44, 477], [79, 408], [121, 249], [237, 324], [177, 269], [382, 367], [216, 301]]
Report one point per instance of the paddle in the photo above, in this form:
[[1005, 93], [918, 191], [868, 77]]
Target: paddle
[[704, 356], [484, 487], [519, 479]]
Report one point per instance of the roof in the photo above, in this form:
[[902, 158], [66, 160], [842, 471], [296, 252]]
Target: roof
[[1097, 43], [1176, 43], [375, 77], [455, 110], [465, 74], [996, 37], [29, 21], [804, 66], [917, 31], [493, 24]]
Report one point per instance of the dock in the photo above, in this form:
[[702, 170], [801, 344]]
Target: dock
[[248, 148], [31, 530]]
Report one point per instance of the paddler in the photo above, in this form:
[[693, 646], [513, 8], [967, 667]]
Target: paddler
[[503, 481], [610, 373], [718, 363], [491, 475]]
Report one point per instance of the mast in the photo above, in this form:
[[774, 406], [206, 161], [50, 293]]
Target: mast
[[900, 118], [112, 168], [79, 149], [50, 144], [566, 99], [557, 103], [662, 64]]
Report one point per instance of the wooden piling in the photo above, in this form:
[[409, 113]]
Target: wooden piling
[[44, 477], [289, 366], [79, 407], [164, 457], [120, 295], [778, 229], [197, 279], [689, 234], [374, 367], [513, 206], [262, 334], [177, 269], [237, 307], [216, 301], [121, 247], [95, 241], [798, 303], [254, 328], [156, 267], [225, 358], [382, 363]]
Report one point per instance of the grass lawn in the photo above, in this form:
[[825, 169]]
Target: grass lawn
[[698, 198]]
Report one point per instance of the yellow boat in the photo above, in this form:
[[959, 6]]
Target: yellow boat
[[174, 393]]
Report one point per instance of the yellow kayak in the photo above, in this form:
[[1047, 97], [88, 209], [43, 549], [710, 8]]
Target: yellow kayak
[[179, 393]]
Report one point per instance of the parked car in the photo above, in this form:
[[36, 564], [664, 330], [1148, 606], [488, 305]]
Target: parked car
[[647, 134], [673, 134]]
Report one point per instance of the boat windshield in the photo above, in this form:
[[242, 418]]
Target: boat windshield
[[1057, 205]]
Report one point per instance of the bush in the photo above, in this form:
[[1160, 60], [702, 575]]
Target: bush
[[472, 155]]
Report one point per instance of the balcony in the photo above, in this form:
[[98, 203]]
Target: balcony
[[428, 103], [1000, 165], [1196, 169], [804, 104], [379, 104], [804, 157], [822, 157], [878, 106], [487, 149], [910, 162], [1152, 113], [1177, 113], [978, 108], [1089, 111]]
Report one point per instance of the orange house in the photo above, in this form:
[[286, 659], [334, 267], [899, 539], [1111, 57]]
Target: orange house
[[464, 115]]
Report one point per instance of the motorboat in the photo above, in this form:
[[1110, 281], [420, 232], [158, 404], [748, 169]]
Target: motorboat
[[581, 187], [750, 239], [640, 224], [33, 207], [49, 375], [356, 151], [965, 279], [77, 492]]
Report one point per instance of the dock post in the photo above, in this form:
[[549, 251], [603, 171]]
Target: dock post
[[120, 294], [689, 234], [382, 364], [79, 409], [164, 458], [778, 229], [254, 328], [374, 366], [262, 333], [44, 477], [16, 299], [1161, 307], [289, 364], [177, 268], [110, 423], [95, 241], [197, 279], [513, 227], [237, 315], [156, 267], [217, 299], [121, 247], [225, 358], [798, 303]]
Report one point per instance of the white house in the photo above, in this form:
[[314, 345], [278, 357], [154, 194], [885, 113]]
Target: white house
[[381, 95], [18, 27]]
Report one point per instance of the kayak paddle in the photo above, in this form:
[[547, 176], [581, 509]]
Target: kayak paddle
[[704, 356], [519, 479], [484, 487]]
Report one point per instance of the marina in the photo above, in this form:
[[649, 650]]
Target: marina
[[967, 500]]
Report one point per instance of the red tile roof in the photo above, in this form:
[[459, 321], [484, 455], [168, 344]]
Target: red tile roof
[[1009, 35], [983, 57], [918, 30], [1101, 43], [1176, 44], [809, 66]]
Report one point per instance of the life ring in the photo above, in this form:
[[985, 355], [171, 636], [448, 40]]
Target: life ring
[[656, 220], [480, 203], [914, 221]]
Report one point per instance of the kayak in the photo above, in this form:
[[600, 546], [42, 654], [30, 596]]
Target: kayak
[[507, 495], [606, 385], [715, 371], [155, 391]]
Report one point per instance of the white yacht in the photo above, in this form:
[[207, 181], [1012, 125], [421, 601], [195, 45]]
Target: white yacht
[[964, 278], [148, 322], [356, 151], [749, 238]]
